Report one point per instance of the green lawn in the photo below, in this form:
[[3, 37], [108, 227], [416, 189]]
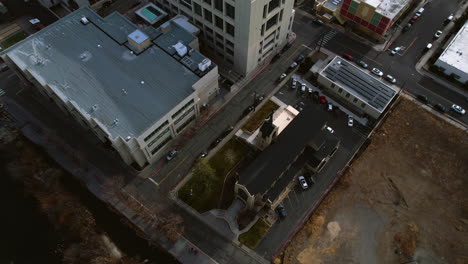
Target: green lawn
[[252, 237], [256, 120], [203, 192], [13, 39]]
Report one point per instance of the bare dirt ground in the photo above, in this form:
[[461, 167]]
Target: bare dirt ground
[[403, 199]]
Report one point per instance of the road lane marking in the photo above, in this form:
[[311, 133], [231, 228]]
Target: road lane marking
[[178, 165], [411, 44], [153, 181]]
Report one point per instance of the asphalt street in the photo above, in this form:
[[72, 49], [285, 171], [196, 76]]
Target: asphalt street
[[402, 65]]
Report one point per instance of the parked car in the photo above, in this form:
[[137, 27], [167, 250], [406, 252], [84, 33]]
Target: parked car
[[293, 83], [428, 47], [323, 99], [350, 121], [348, 56], [406, 27], [299, 58], [420, 11], [413, 19], [3, 67], [377, 72], [329, 129], [298, 107], [310, 179], [440, 108], [293, 65], [303, 88], [362, 63], [438, 34], [303, 182], [395, 50], [281, 211], [318, 21], [458, 109], [172, 154], [329, 107], [448, 19], [422, 98], [390, 79], [203, 154], [282, 76], [310, 91]]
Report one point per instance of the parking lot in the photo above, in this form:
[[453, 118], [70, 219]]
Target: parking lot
[[299, 202]]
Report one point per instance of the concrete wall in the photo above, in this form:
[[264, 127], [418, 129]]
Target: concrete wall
[[449, 70]]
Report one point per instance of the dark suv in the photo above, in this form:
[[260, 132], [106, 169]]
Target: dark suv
[[281, 211]]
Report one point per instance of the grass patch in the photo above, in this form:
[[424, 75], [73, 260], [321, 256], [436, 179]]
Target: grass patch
[[203, 191], [17, 37], [252, 237], [255, 121]]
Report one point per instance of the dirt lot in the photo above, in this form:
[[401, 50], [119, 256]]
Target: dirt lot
[[404, 199]]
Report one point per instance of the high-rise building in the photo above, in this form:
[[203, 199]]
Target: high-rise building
[[240, 33]]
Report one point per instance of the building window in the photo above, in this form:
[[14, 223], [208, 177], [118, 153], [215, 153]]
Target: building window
[[156, 130], [229, 43], [160, 146], [209, 30], [355, 100], [347, 95], [180, 118], [208, 15], [376, 19], [218, 5], [273, 5], [230, 29], [183, 108], [220, 54], [265, 7], [230, 11], [340, 90], [220, 45], [209, 38], [158, 137], [207, 1], [187, 3], [271, 22], [363, 105], [281, 15], [219, 22], [218, 36], [230, 52], [199, 24], [197, 8], [332, 85], [185, 124], [230, 61], [262, 30]]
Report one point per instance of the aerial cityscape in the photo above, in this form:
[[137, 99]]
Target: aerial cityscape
[[234, 131]]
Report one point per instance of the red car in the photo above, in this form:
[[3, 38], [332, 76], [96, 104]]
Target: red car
[[348, 57], [323, 99], [413, 19]]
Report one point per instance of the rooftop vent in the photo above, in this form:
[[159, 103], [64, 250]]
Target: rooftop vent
[[205, 64], [180, 48], [139, 40], [94, 108], [84, 20]]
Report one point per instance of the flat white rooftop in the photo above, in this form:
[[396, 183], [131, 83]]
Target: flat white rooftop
[[456, 53], [388, 8]]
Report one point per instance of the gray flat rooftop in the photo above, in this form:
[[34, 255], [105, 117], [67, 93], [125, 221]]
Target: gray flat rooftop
[[91, 65], [359, 83]]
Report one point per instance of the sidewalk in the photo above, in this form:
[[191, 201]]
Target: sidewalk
[[422, 65]]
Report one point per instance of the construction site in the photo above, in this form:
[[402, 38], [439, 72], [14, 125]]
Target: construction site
[[402, 201]]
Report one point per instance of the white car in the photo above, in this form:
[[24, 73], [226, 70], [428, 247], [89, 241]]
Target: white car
[[303, 182], [395, 50], [437, 34], [350, 121], [293, 83], [329, 129], [428, 46], [303, 87], [377, 72], [390, 79], [458, 109]]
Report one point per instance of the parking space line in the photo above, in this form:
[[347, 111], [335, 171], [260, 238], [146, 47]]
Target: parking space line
[[409, 46], [178, 165]]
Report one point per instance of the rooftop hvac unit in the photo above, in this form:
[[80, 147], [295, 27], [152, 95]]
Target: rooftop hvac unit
[[84, 21], [202, 66], [180, 48]]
